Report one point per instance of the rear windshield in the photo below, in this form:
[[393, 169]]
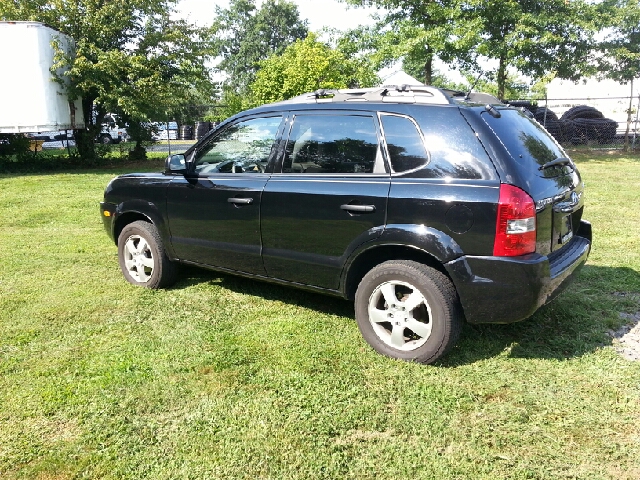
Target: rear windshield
[[527, 142]]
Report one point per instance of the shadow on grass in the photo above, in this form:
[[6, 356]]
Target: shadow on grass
[[574, 324]]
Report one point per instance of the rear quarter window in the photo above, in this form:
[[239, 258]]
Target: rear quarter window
[[454, 149]]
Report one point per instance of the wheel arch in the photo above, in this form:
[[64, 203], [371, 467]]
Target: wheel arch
[[378, 254], [125, 219]]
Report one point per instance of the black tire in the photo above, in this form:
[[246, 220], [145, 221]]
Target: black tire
[[440, 313], [142, 257], [106, 139]]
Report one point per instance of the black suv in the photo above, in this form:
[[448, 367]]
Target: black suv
[[424, 206]]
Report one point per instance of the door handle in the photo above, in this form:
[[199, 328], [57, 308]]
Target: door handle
[[240, 201], [358, 208]]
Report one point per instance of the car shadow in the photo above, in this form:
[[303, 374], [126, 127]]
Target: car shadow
[[579, 321]]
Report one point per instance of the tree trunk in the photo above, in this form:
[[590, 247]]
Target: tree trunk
[[502, 76], [85, 139], [629, 119], [428, 68]]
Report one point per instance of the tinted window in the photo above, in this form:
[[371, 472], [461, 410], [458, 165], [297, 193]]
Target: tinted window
[[453, 146], [332, 144], [404, 143], [242, 147], [527, 141]]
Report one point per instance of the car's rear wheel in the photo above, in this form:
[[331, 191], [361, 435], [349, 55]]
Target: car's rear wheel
[[142, 256], [408, 311]]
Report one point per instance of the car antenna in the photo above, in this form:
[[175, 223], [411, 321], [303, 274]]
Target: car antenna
[[473, 86]]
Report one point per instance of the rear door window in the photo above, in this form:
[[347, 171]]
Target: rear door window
[[333, 144]]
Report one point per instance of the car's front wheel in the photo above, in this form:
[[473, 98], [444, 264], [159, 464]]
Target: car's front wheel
[[142, 256], [408, 311]]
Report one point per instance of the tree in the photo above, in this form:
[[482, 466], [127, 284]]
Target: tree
[[245, 35], [534, 37], [130, 57], [308, 65], [420, 31], [619, 57]]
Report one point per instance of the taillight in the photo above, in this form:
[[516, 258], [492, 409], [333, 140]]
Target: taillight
[[516, 223]]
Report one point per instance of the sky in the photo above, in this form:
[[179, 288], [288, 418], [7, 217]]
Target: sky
[[319, 13]]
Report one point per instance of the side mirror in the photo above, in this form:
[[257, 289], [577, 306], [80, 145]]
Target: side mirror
[[176, 164]]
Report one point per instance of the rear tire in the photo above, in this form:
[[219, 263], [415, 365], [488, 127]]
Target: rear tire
[[408, 311], [142, 257]]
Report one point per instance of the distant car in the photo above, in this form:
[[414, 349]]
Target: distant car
[[162, 133], [424, 206], [111, 131]]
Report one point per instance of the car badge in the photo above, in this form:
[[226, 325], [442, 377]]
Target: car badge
[[575, 198]]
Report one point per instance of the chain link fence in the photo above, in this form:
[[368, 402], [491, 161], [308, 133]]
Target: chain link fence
[[595, 123]]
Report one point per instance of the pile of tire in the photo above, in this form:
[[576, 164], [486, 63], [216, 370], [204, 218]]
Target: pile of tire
[[550, 121], [583, 123], [186, 132], [578, 125], [201, 129]]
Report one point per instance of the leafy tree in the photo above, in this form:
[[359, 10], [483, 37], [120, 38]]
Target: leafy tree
[[131, 57], [620, 51], [535, 37], [245, 35], [308, 65], [419, 31]]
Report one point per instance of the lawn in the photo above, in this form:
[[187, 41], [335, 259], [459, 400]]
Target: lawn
[[221, 377]]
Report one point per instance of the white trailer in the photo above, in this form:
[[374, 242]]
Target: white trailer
[[31, 100]]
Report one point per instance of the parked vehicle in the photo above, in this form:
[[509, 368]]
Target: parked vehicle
[[32, 99], [424, 206], [161, 132], [112, 131]]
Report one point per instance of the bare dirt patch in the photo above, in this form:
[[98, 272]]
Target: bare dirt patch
[[626, 340]]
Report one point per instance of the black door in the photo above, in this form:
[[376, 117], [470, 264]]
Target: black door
[[214, 214], [329, 198]]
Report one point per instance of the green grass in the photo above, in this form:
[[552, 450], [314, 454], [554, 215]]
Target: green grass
[[221, 377]]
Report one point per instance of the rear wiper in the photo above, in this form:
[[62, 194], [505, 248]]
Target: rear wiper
[[556, 162]]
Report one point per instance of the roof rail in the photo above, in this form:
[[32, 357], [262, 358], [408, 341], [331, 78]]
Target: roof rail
[[421, 94], [387, 93]]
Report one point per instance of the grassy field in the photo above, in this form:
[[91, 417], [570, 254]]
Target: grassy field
[[221, 377]]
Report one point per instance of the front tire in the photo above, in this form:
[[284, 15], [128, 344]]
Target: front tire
[[142, 257], [408, 311]]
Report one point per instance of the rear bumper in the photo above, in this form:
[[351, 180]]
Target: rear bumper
[[506, 290]]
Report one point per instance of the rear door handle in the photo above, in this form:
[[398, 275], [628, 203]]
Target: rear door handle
[[240, 201], [358, 208]]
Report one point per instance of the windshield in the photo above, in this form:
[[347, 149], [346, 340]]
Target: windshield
[[527, 142]]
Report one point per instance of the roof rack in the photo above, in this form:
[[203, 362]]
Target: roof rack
[[387, 93], [421, 94]]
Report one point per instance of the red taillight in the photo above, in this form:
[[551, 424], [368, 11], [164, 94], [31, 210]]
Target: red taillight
[[516, 223]]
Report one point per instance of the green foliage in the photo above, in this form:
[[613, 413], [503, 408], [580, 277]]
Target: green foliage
[[244, 35], [534, 37], [620, 50], [12, 144], [419, 31], [131, 56], [306, 66]]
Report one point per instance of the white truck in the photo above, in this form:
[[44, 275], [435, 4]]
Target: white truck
[[31, 100]]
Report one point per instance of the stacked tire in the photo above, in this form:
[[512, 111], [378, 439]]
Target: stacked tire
[[584, 123], [201, 129], [549, 120], [578, 125], [186, 132]]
